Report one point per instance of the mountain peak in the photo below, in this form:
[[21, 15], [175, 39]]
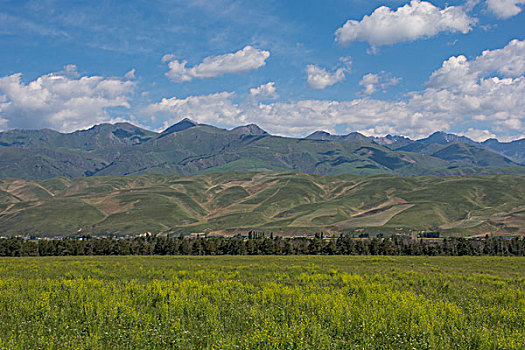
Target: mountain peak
[[326, 136], [250, 129], [442, 138], [491, 141], [355, 136], [184, 124], [106, 127], [319, 135]]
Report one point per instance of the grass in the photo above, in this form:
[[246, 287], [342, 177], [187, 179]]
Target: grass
[[264, 302]]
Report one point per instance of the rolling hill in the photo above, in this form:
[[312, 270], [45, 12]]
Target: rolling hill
[[284, 203], [192, 148]]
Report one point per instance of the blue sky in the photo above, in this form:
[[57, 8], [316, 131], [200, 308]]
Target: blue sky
[[292, 67]]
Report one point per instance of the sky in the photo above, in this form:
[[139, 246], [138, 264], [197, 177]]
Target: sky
[[292, 67]]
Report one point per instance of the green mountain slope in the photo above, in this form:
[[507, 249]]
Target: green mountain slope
[[191, 148], [467, 155], [514, 150], [98, 136], [286, 202]]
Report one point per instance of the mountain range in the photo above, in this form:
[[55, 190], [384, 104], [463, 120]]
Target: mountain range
[[188, 147]]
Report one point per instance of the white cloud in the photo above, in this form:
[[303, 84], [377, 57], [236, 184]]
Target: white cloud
[[487, 99], [508, 61], [371, 82], [168, 57], [295, 118], [215, 108], [512, 123], [463, 88], [69, 70], [419, 19], [130, 75], [62, 101], [505, 8], [469, 5], [267, 90], [247, 59], [303, 117], [319, 78], [461, 95], [474, 87], [454, 73], [479, 135]]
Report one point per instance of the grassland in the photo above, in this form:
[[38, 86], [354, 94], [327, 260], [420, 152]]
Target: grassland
[[262, 303], [284, 203]]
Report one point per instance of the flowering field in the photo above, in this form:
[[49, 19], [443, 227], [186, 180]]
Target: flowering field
[[263, 302]]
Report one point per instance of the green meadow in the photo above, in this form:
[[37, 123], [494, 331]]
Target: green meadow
[[262, 302]]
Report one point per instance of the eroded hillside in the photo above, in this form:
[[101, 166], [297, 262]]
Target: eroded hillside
[[287, 203]]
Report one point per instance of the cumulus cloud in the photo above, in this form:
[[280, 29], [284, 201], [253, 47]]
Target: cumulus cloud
[[505, 8], [489, 99], [492, 81], [267, 90], [371, 82], [247, 59], [479, 135], [459, 74], [62, 101], [419, 19], [215, 108], [294, 118], [461, 95], [489, 88], [319, 78], [508, 61]]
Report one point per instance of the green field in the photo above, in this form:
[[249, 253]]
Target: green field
[[284, 203], [308, 302]]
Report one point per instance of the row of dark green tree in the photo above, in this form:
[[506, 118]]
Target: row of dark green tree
[[262, 246]]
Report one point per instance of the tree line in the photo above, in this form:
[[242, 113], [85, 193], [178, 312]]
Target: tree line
[[257, 245]]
